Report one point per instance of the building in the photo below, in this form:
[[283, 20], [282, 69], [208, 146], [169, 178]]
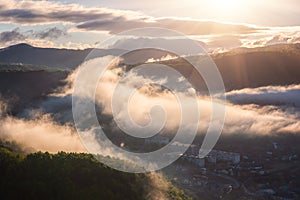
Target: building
[[193, 150], [157, 139], [215, 156], [194, 159]]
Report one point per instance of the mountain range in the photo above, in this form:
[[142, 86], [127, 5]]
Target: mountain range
[[29, 73]]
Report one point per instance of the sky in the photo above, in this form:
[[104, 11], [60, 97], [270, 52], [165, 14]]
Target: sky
[[219, 24], [265, 13]]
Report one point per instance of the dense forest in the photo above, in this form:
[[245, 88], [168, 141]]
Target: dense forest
[[72, 176]]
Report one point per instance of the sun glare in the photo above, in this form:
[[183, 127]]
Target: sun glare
[[226, 7], [225, 4]]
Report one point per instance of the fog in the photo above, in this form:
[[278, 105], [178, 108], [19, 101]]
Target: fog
[[242, 119], [269, 95], [40, 134], [49, 126]]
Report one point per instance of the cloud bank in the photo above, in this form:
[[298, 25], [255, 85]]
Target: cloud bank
[[52, 130], [40, 134], [37, 130], [269, 95], [256, 120], [104, 19], [215, 35]]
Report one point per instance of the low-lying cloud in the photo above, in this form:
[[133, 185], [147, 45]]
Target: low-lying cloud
[[40, 134], [255, 119], [163, 58], [269, 95], [52, 130]]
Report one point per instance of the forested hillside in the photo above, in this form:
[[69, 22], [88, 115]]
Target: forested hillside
[[73, 176]]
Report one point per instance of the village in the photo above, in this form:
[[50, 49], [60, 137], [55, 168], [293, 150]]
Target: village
[[229, 174]]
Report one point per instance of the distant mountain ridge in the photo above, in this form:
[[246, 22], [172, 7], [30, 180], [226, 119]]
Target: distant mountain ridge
[[240, 68], [51, 57], [249, 67]]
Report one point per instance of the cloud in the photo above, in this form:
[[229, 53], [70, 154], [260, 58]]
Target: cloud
[[40, 135], [12, 36], [181, 45], [44, 12], [79, 18], [163, 58], [52, 33], [50, 127], [215, 43], [260, 121], [186, 26], [269, 95], [109, 20], [255, 120], [274, 36], [36, 38], [270, 109]]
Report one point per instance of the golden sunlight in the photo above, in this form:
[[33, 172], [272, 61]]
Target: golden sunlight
[[225, 5]]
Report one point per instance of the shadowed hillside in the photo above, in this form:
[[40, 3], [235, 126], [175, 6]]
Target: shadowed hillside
[[249, 67], [22, 88], [42, 73], [59, 58], [74, 176], [274, 65]]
